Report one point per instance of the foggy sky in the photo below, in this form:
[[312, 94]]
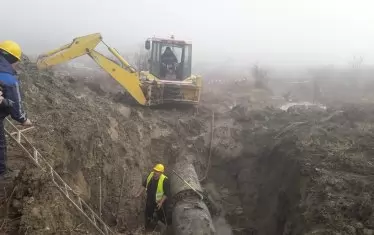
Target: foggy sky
[[277, 32]]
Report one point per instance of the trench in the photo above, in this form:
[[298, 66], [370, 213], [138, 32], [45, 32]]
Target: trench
[[258, 190], [247, 195], [105, 149], [254, 192], [257, 195]]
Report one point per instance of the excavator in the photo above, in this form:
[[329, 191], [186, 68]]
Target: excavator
[[165, 81]]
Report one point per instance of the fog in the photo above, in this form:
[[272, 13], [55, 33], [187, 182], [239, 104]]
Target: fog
[[274, 32]]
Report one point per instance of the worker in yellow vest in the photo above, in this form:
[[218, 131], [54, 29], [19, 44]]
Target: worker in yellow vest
[[158, 191]]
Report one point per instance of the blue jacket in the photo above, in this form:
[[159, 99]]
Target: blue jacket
[[12, 105]]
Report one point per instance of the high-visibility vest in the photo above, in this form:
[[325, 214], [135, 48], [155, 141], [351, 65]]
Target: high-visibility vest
[[160, 185]]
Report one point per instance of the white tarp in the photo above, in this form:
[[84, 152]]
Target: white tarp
[[306, 105]]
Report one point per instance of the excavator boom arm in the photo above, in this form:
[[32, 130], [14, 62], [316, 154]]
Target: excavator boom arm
[[125, 75], [129, 81]]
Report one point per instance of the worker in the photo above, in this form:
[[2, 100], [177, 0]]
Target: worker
[[168, 62], [158, 191], [168, 56], [10, 56]]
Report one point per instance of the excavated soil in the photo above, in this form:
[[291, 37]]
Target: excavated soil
[[265, 171]]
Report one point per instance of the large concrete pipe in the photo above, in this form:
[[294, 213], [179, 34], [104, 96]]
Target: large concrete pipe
[[190, 214]]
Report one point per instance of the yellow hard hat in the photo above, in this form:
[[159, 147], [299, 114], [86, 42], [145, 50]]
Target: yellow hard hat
[[12, 48], [159, 168]]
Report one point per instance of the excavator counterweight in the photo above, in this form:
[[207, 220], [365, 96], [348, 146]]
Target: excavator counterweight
[[166, 82]]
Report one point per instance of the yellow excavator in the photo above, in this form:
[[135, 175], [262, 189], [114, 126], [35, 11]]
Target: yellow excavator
[[168, 79]]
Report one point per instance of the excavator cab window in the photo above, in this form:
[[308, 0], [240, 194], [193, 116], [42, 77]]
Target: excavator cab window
[[170, 61], [187, 58]]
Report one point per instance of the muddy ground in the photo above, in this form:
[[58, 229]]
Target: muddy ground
[[267, 171]]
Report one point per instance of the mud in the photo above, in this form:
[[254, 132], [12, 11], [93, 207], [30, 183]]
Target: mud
[[263, 170]]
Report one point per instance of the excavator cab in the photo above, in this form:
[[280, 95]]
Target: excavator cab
[[169, 59]]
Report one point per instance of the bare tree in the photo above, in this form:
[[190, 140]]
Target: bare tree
[[140, 59], [355, 72], [261, 77], [320, 76], [357, 62]]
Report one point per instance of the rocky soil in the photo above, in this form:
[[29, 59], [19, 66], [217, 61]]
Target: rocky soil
[[266, 171]]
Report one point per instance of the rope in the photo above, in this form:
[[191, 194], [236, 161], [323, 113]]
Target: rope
[[210, 148]]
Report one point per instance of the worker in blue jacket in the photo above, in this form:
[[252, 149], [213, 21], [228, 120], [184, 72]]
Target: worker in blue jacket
[[11, 103]]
